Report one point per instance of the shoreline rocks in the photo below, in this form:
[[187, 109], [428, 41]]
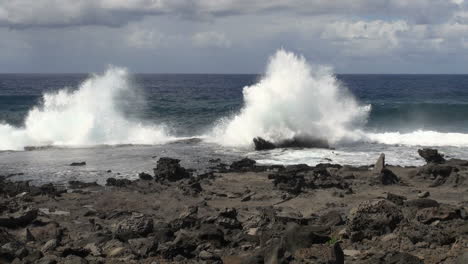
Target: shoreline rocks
[[245, 213]]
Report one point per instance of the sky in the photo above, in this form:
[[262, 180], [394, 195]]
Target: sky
[[232, 36]]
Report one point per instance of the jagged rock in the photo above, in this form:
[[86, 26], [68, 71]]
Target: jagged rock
[[295, 142], [373, 218], [145, 176], [417, 232], [83, 163], [379, 165], [431, 155], [227, 218], [429, 215], [143, 246], [262, 144], [243, 164], [81, 185], [170, 169], [118, 182], [134, 226], [19, 219], [386, 177]]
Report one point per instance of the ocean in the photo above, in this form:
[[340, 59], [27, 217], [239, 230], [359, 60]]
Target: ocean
[[122, 121]]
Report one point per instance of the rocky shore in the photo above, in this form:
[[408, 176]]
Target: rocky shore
[[245, 213]]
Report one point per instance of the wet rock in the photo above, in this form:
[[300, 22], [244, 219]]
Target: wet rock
[[373, 218], [243, 165], [145, 176], [83, 163], [133, 227], [19, 219], [295, 142], [170, 169], [262, 144], [302, 141], [431, 155], [118, 182]]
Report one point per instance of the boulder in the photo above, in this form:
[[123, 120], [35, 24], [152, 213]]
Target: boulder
[[145, 176], [431, 155], [143, 246], [379, 165], [118, 182], [135, 226], [417, 232], [431, 214], [19, 219], [299, 141], [82, 163], [169, 169], [422, 203], [243, 165], [386, 177], [262, 144], [373, 218], [81, 185]]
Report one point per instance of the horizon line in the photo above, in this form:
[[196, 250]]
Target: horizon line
[[205, 73]]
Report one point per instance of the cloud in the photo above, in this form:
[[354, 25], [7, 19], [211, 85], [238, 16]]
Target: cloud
[[211, 39], [116, 13], [144, 38]]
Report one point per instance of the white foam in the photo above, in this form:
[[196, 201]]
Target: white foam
[[293, 98], [419, 138], [87, 116]]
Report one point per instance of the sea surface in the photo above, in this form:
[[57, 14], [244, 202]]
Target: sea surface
[[124, 122]]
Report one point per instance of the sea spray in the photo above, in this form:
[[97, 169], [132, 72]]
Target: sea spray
[[293, 99], [89, 115]]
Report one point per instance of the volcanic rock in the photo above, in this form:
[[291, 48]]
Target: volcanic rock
[[373, 218], [431, 155], [170, 169]]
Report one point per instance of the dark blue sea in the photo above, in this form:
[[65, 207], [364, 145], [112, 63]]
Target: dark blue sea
[[192, 103], [124, 122]]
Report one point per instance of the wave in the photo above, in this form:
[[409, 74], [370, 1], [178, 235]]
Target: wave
[[419, 138], [293, 99], [90, 115]]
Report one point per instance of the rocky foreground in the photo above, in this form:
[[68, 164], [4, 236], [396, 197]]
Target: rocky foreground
[[244, 213]]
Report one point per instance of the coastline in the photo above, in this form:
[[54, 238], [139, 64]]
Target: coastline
[[245, 213]]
